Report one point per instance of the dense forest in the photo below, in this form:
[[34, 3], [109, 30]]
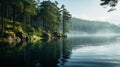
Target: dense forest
[[25, 18], [92, 27]]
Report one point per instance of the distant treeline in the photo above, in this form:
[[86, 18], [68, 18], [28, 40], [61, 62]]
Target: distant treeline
[[80, 25]]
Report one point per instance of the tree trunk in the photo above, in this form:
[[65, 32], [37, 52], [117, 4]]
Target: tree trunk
[[2, 16], [14, 12], [63, 26], [23, 18], [3, 5], [44, 22]]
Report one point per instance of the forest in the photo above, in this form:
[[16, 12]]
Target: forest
[[32, 19], [92, 27]]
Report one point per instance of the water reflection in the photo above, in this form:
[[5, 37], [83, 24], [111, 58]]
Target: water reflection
[[42, 54], [71, 52], [95, 52]]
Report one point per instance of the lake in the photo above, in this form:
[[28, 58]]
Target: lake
[[86, 51]]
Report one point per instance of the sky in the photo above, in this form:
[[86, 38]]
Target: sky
[[91, 10]]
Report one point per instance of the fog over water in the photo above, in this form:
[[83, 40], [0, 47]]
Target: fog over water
[[98, 34]]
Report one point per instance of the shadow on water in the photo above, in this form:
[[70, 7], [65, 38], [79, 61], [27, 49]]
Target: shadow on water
[[41, 54], [71, 52]]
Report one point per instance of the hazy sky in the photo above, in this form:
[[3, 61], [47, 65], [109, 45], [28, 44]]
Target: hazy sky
[[91, 9]]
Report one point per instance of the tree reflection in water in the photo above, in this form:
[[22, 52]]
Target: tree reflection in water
[[41, 54]]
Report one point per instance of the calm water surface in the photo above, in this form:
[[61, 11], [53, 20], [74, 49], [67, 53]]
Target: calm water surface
[[70, 52]]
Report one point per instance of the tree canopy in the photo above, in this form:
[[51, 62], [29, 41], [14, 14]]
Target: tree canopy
[[109, 3], [31, 15]]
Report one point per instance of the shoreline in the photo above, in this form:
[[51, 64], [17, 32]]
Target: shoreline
[[32, 38]]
